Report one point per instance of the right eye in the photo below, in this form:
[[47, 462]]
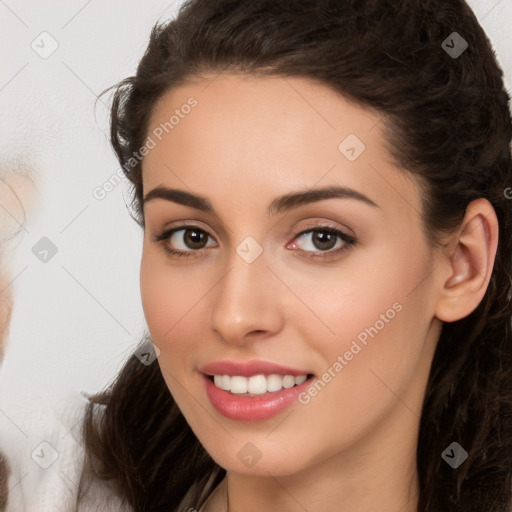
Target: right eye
[[183, 240]]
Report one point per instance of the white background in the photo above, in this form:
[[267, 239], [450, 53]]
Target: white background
[[78, 316]]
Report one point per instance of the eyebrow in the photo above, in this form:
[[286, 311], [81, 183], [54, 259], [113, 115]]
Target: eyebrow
[[283, 203]]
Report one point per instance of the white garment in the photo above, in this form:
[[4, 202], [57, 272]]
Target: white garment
[[42, 441]]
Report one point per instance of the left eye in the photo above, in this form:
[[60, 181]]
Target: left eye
[[322, 240]]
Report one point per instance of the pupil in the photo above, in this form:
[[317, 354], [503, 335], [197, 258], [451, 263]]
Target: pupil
[[195, 239], [324, 240]]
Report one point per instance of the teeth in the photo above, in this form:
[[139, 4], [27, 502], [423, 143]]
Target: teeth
[[274, 382], [257, 384], [299, 380], [288, 381], [238, 384]]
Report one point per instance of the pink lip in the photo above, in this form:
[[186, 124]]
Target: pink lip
[[251, 408], [249, 368]]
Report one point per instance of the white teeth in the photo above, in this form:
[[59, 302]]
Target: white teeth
[[288, 381], [239, 384], [222, 382], [299, 380], [274, 382], [257, 384]]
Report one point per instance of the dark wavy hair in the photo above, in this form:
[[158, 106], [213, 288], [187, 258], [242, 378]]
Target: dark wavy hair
[[4, 477], [447, 122]]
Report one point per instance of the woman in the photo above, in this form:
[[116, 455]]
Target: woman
[[326, 265]]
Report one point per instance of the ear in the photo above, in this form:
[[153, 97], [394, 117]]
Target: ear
[[469, 262]]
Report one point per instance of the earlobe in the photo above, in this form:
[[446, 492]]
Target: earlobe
[[470, 262]]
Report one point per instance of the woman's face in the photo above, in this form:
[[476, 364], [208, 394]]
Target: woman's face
[[298, 250]]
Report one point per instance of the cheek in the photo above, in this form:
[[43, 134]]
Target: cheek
[[371, 312], [172, 301], [348, 299], [380, 315], [163, 298]]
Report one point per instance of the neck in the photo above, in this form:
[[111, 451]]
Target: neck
[[282, 494]]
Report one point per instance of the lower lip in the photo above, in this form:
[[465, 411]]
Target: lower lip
[[252, 408]]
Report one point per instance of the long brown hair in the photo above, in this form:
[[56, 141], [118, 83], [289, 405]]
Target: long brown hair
[[4, 477], [447, 120]]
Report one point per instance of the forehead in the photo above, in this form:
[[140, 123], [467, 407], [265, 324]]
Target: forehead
[[276, 133], [279, 113]]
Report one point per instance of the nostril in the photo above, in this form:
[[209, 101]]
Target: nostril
[[257, 331]]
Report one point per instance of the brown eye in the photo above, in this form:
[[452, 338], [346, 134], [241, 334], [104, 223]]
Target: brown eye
[[323, 241], [195, 239], [189, 239]]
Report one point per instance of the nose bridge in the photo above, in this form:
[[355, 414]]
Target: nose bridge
[[244, 301]]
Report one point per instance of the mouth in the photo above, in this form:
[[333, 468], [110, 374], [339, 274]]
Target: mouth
[[254, 390], [239, 404], [257, 384]]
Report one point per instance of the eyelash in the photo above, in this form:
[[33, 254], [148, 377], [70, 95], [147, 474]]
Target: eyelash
[[349, 241]]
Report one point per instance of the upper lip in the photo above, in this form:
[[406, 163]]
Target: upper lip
[[249, 368]]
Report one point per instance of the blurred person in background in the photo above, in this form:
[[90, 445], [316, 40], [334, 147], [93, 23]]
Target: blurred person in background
[[16, 190]]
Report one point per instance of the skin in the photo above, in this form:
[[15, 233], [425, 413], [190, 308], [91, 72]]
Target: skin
[[248, 141]]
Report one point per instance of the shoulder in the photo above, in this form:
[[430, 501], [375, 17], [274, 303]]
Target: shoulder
[[41, 440]]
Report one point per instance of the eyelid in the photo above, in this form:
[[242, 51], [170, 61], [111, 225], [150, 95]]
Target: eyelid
[[325, 224], [182, 224]]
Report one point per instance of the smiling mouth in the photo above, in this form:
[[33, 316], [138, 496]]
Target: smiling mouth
[[257, 384]]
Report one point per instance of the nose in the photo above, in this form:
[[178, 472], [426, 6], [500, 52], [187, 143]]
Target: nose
[[246, 303]]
